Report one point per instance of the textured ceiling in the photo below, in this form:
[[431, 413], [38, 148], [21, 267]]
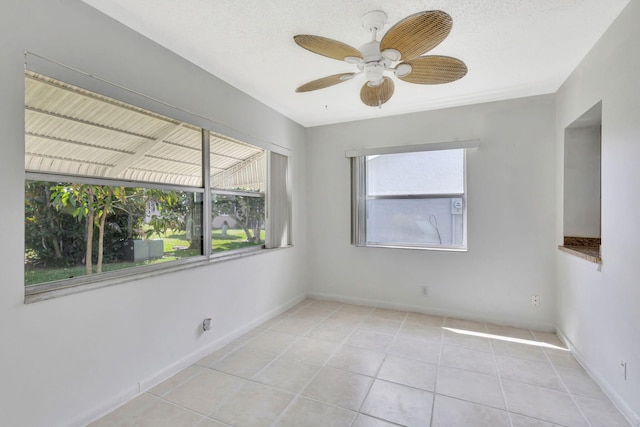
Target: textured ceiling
[[513, 48]]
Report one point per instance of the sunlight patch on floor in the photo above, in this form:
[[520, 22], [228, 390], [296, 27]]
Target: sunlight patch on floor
[[505, 338]]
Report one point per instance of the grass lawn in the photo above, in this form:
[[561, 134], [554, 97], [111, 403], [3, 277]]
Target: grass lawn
[[235, 239], [175, 246], [33, 276]]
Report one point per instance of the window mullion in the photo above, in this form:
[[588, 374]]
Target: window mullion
[[206, 197]]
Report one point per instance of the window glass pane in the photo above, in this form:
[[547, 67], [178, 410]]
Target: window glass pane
[[238, 180], [423, 221], [237, 221], [73, 131], [74, 230], [236, 165], [426, 172]]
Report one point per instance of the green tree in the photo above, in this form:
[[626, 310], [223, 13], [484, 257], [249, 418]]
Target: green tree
[[247, 212], [172, 210], [107, 199], [91, 203], [50, 235], [109, 209]]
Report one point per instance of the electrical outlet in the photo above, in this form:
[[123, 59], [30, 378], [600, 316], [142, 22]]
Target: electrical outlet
[[535, 300], [424, 291], [206, 324]]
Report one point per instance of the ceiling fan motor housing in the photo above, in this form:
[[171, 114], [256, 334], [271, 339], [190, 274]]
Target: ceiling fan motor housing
[[374, 63], [374, 73]]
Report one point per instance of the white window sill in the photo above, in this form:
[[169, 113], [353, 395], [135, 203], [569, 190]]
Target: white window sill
[[420, 248]]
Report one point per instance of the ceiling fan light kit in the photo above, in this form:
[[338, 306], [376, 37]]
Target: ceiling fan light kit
[[406, 41]]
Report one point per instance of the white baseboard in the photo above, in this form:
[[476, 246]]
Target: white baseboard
[[156, 378], [479, 317], [624, 408]]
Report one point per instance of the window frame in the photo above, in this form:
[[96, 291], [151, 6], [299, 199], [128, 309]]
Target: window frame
[[359, 196], [56, 288]]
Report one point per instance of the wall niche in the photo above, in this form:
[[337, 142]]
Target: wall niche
[[582, 190]]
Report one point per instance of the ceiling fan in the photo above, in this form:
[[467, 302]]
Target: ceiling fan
[[404, 43]]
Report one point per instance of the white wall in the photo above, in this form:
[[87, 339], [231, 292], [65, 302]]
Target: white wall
[[511, 216], [582, 182], [66, 360], [598, 311]]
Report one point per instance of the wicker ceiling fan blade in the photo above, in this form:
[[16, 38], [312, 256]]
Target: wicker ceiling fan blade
[[326, 47], [433, 70], [375, 96], [325, 82], [417, 34]]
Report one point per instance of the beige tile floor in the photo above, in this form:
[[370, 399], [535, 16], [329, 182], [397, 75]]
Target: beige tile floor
[[330, 364]]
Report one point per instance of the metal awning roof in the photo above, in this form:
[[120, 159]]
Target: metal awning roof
[[72, 131]]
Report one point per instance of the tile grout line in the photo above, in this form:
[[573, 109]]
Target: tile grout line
[[244, 344], [569, 393], [494, 355], [342, 343], [210, 367], [251, 380], [177, 405], [566, 389], [504, 395], [395, 336], [435, 384], [211, 419], [189, 378], [300, 337], [235, 390], [299, 394], [138, 412]]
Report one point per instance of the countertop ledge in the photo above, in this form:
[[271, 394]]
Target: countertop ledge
[[589, 253]]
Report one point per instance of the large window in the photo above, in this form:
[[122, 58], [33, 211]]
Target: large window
[[113, 190], [410, 199]]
